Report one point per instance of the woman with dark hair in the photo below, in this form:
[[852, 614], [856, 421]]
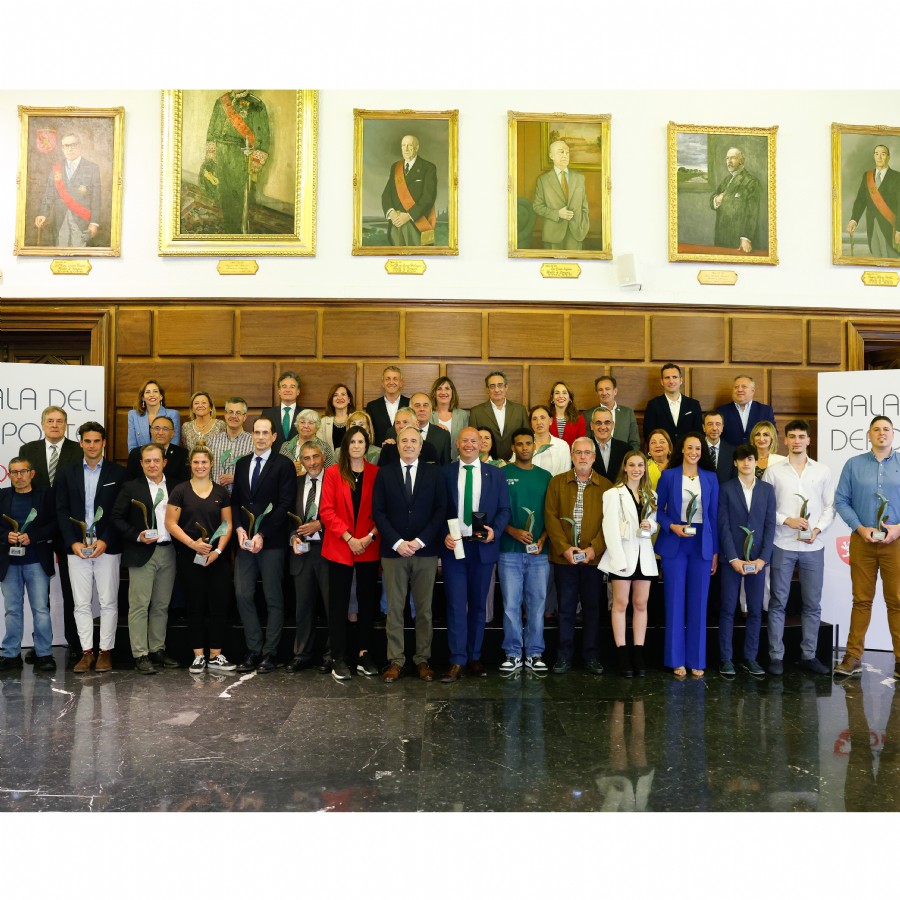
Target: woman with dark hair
[[351, 545], [445, 411], [688, 544], [203, 424], [338, 407], [488, 442], [552, 454], [150, 403], [568, 422]]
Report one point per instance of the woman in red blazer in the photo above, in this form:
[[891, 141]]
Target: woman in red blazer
[[350, 545], [568, 421]]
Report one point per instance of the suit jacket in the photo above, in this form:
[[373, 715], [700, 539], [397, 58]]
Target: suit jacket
[[421, 182], [297, 561], [549, 200], [659, 415], [277, 485], [738, 213], [668, 512], [390, 454], [617, 452], [83, 188], [70, 501], [625, 430], [176, 469], [336, 514], [41, 531], [437, 441], [760, 519], [274, 413], [733, 431], [624, 550], [35, 452], [494, 503], [725, 462], [890, 192], [482, 415], [401, 520], [129, 520], [381, 421], [459, 418], [139, 427]]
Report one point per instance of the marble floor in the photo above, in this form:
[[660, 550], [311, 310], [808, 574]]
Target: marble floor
[[282, 742]]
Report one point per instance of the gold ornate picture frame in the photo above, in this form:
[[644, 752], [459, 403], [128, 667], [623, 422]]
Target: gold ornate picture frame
[[865, 195], [239, 173], [551, 216], [722, 194], [405, 192], [69, 183]]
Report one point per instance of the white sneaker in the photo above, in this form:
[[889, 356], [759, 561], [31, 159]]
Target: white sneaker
[[511, 664], [198, 666], [536, 664], [219, 663]]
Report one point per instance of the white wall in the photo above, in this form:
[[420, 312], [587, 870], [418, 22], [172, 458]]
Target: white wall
[[805, 276]]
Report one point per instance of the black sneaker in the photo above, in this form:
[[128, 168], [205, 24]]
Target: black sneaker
[[340, 671], [44, 664], [143, 665], [813, 665], [10, 663], [365, 666]]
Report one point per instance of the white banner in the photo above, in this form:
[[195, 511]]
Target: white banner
[[848, 401]]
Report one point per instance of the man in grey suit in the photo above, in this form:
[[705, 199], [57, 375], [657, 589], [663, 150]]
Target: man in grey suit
[[502, 416], [560, 199], [431, 434], [625, 427]]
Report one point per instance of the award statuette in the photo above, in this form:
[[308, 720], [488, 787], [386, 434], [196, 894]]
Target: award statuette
[[223, 460], [748, 567], [253, 524], [19, 550], [88, 532], [880, 534], [647, 507], [529, 524], [150, 533], [302, 546], [199, 558], [579, 555], [690, 512], [804, 534]]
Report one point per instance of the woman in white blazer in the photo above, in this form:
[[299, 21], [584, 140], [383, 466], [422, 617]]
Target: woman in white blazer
[[629, 560]]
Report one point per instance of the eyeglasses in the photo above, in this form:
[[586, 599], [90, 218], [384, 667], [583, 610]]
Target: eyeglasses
[[70, 146], [17, 472]]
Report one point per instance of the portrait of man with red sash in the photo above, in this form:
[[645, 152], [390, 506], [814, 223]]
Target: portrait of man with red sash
[[408, 197], [879, 199]]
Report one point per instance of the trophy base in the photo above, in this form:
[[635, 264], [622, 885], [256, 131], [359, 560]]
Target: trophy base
[[247, 545], [151, 534], [301, 547], [690, 530], [879, 535], [199, 559], [581, 556], [645, 534], [87, 552], [531, 548], [749, 568], [804, 535], [16, 551]]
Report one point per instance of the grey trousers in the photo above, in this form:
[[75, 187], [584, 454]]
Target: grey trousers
[[400, 574], [149, 595], [812, 569], [269, 565]]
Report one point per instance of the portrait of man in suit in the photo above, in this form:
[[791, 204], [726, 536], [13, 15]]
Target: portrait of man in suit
[[408, 197], [736, 205], [560, 199], [878, 199]]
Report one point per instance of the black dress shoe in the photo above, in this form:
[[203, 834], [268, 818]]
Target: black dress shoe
[[44, 664], [266, 665], [324, 667], [159, 659], [30, 655], [299, 663], [10, 663], [143, 665], [249, 663]]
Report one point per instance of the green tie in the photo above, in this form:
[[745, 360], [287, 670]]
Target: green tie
[[467, 497], [286, 422]]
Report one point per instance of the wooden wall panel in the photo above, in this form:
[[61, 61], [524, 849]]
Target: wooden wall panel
[[469, 381], [711, 387], [174, 378], [793, 392], [276, 332], [251, 380], [317, 378], [687, 338], [825, 339], [361, 332], [118, 443], [603, 337], [134, 332], [416, 377], [636, 384], [766, 339], [525, 335], [199, 331], [447, 334], [579, 378]]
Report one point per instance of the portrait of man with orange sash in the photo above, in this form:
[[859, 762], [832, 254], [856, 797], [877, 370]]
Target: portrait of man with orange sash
[[879, 199], [408, 197]]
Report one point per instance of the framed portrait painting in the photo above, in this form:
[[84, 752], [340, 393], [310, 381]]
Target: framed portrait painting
[[69, 198], [865, 195], [559, 186], [405, 182], [722, 194], [238, 173]]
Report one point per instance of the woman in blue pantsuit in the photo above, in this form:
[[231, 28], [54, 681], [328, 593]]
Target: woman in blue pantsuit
[[688, 560]]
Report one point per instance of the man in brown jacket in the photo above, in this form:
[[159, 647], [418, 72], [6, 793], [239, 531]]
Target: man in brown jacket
[[573, 516]]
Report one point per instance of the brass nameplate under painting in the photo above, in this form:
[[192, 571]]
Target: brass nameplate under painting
[[560, 270], [70, 267], [237, 267], [880, 279], [405, 267], [714, 276]]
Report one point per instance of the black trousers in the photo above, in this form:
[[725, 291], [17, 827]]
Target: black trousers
[[340, 580], [208, 590]]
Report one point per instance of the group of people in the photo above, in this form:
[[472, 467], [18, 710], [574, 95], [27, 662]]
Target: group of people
[[558, 502]]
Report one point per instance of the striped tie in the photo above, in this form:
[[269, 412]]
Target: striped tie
[[54, 461]]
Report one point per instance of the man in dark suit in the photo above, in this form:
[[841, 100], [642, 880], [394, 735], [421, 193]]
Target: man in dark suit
[[283, 415], [672, 411], [610, 452], [744, 412], [736, 205], [408, 197], [878, 199], [433, 435], [722, 453], [744, 502], [176, 458], [148, 553], [408, 506], [390, 454], [383, 410], [307, 567], [625, 427], [471, 487], [501, 415], [262, 478], [94, 545]]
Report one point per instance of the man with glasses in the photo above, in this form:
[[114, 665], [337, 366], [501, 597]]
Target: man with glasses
[[228, 446], [502, 416], [72, 197], [161, 432]]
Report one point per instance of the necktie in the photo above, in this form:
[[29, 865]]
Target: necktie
[[254, 478], [307, 510], [467, 497], [406, 168], [565, 185], [714, 453], [408, 484], [54, 461], [286, 422], [878, 177]]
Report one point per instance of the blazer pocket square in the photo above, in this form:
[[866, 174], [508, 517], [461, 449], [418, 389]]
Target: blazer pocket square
[[108, 484]]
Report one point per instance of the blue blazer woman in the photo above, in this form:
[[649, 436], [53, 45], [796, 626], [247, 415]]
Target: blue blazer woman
[[139, 427]]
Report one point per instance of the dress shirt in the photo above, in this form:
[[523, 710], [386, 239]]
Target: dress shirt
[[816, 483], [242, 445], [674, 408], [743, 413], [91, 480], [466, 530], [499, 415], [264, 457], [604, 451], [159, 511], [718, 448], [694, 486], [559, 175], [72, 167], [861, 477], [413, 472], [59, 446], [392, 407], [424, 432], [317, 499]]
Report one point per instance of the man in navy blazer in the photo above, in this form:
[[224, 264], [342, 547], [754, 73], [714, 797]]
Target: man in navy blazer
[[466, 580], [606, 445], [672, 411], [82, 491], [433, 435], [743, 412], [408, 506], [721, 452], [744, 502], [382, 409], [262, 478]]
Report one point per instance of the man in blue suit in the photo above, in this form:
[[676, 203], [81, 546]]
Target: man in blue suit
[[744, 502], [471, 487], [743, 412]]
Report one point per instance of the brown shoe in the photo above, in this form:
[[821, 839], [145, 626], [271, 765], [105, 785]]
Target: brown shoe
[[425, 672], [391, 673], [454, 673], [85, 664], [104, 662], [476, 668], [848, 666]]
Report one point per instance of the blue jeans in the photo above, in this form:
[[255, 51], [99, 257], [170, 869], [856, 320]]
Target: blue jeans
[[812, 570], [523, 576], [37, 581]]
